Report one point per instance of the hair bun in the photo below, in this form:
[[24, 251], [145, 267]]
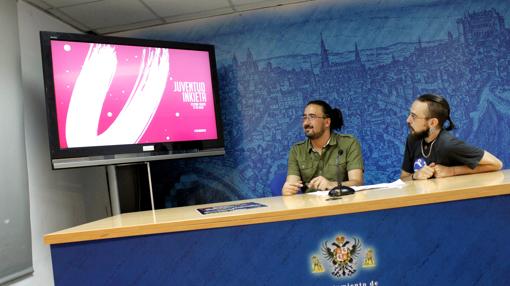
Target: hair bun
[[337, 120]]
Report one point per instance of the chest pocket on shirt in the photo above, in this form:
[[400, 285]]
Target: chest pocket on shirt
[[329, 171], [307, 169]]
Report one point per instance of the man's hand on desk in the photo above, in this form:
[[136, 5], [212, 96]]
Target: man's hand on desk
[[441, 171], [293, 185], [424, 173], [291, 188], [434, 170], [321, 183]]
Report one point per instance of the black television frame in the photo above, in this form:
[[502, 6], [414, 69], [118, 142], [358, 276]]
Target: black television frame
[[129, 153]]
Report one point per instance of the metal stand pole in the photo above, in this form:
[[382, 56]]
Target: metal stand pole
[[150, 184], [114, 189]]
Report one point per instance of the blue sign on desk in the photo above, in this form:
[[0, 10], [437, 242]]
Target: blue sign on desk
[[230, 208]]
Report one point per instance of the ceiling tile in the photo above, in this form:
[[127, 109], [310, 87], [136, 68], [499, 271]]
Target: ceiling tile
[[62, 3], [109, 16], [199, 15], [101, 14], [241, 5], [242, 2], [128, 27], [66, 19], [39, 4], [166, 8]]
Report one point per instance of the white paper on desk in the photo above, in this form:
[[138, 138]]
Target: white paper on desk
[[396, 184]]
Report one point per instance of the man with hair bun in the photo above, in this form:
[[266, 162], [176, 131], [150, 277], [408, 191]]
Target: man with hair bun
[[432, 152], [315, 163]]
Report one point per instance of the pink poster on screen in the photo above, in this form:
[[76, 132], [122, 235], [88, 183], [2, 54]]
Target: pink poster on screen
[[117, 94]]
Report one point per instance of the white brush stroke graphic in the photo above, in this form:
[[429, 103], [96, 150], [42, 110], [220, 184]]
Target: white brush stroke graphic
[[91, 90]]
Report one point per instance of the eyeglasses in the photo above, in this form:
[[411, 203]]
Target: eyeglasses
[[312, 117], [414, 116]]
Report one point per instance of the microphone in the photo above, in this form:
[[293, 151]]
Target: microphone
[[340, 190]]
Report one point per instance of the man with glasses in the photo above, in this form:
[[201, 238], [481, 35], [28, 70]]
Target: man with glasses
[[432, 152], [316, 163]]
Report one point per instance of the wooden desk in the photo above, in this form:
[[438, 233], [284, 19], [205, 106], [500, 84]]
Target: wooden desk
[[461, 220]]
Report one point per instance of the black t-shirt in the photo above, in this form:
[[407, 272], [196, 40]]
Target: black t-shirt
[[445, 150]]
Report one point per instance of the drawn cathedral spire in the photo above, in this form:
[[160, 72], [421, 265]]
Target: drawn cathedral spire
[[250, 62], [235, 62], [357, 57], [324, 54]]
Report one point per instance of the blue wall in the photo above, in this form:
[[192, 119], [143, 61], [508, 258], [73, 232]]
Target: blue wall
[[371, 59]]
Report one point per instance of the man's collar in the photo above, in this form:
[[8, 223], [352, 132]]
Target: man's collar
[[331, 141], [435, 138]]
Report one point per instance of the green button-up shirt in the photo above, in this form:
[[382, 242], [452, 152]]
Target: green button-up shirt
[[308, 164]]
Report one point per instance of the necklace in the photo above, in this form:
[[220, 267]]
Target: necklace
[[430, 150]]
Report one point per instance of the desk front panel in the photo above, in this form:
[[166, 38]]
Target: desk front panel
[[452, 243]]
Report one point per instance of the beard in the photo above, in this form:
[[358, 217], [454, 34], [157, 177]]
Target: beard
[[419, 135], [310, 133]]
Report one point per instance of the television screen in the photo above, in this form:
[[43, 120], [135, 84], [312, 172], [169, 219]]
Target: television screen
[[118, 100]]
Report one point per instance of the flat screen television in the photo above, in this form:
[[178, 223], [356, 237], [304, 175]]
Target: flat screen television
[[112, 100]]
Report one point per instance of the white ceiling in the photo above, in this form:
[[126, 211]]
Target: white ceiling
[[110, 16]]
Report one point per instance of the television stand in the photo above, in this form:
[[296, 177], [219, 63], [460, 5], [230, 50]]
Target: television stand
[[114, 188]]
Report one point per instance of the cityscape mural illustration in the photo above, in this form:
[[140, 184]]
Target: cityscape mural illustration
[[369, 58]]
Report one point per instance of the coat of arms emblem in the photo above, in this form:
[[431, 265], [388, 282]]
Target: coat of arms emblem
[[342, 257]]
